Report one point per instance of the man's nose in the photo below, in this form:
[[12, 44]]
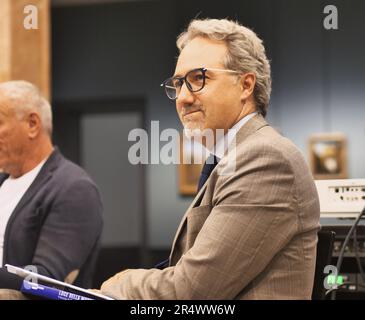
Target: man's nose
[[185, 96]]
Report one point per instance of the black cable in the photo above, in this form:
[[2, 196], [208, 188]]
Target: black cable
[[342, 252], [343, 284], [339, 286], [358, 260]]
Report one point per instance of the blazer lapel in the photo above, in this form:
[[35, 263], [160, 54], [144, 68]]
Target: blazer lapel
[[3, 177], [183, 220], [44, 175]]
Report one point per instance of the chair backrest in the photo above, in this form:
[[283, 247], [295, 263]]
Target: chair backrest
[[324, 255]]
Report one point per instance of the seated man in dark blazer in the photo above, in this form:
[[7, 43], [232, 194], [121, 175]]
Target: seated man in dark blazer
[[50, 209]]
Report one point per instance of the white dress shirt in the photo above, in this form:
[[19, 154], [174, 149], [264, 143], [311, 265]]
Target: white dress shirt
[[222, 144]]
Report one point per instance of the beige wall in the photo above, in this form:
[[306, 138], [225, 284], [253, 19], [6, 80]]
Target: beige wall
[[25, 54]]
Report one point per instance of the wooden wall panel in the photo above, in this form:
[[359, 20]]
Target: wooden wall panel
[[5, 44], [26, 52]]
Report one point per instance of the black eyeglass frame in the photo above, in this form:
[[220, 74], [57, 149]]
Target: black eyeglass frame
[[188, 85], [184, 79]]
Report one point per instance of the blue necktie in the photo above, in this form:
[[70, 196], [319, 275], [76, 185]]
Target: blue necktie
[[163, 264], [208, 167]]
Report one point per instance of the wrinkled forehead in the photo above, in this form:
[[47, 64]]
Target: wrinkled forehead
[[201, 52]]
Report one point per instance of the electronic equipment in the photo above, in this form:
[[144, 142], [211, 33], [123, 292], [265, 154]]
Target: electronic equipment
[[350, 278], [341, 202], [343, 198]]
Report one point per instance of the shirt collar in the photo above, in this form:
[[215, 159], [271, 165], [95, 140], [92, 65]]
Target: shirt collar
[[222, 145]]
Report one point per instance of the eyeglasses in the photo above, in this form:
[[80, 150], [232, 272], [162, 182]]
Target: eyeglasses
[[194, 80]]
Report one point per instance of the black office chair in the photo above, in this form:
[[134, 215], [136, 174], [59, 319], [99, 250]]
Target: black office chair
[[324, 255]]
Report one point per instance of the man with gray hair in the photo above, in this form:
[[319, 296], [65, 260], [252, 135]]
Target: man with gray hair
[[50, 209], [250, 234]]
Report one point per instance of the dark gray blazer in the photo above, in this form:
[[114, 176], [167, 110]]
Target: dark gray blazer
[[57, 224]]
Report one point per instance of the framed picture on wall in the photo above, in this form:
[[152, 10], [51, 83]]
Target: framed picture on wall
[[190, 167], [328, 155]]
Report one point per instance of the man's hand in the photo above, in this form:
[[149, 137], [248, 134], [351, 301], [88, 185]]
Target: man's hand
[[111, 286], [95, 291]]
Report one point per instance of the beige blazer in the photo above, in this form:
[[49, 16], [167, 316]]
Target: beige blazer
[[251, 234]]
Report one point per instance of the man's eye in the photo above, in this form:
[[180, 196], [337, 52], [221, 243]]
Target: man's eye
[[198, 77]]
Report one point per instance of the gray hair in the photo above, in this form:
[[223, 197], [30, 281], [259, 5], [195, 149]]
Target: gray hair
[[25, 97], [246, 52]]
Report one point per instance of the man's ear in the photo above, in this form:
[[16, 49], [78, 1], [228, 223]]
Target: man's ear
[[34, 124], [247, 82]]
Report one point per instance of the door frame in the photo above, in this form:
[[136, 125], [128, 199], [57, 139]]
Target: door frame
[[75, 108]]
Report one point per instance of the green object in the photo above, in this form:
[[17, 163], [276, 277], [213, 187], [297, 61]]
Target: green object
[[331, 279]]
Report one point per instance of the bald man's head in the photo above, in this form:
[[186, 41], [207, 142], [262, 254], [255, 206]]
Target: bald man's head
[[25, 127], [24, 97]]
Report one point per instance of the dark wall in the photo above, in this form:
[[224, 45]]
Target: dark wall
[[127, 49]]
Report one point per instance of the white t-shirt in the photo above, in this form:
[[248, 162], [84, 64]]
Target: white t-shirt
[[11, 192]]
